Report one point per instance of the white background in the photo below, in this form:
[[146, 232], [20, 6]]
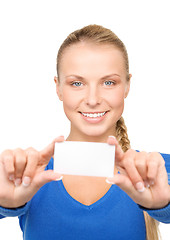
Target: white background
[[30, 35]]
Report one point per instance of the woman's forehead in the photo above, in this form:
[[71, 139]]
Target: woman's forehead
[[90, 47], [92, 57]]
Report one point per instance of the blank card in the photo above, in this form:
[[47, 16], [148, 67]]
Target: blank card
[[84, 158]]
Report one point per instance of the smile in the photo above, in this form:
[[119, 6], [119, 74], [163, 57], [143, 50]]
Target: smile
[[93, 115]]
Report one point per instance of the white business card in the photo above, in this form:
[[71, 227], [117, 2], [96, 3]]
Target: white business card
[[84, 158]]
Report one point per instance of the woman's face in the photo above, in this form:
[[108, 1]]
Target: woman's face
[[92, 87]]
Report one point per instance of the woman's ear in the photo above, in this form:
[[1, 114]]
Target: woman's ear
[[58, 88], [128, 86]]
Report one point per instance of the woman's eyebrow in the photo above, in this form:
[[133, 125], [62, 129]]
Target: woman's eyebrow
[[107, 76], [74, 76], [111, 75]]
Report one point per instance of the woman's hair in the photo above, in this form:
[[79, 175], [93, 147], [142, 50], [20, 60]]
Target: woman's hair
[[93, 34], [99, 35]]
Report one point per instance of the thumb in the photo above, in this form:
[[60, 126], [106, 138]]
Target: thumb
[[46, 176], [48, 151], [120, 180], [118, 150], [125, 184]]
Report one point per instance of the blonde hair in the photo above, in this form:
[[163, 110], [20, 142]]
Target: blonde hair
[[94, 34], [99, 35]]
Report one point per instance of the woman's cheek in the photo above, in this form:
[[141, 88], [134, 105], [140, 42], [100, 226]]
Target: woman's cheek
[[116, 99], [71, 100]]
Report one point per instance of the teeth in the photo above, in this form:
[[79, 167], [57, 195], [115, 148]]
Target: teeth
[[93, 115]]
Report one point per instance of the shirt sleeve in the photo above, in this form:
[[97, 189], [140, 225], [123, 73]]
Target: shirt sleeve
[[14, 212], [161, 215]]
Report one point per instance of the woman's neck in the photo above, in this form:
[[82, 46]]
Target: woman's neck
[[77, 136], [87, 138]]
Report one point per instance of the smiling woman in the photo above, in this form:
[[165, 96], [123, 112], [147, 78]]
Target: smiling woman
[[92, 81], [90, 57]]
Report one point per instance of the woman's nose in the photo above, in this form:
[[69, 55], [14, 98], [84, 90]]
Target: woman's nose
[[93, 96]]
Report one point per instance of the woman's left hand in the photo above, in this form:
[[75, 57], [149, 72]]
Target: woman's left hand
[[142, 176]]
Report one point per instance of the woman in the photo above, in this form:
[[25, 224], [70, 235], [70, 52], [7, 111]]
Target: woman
[[92, 81]]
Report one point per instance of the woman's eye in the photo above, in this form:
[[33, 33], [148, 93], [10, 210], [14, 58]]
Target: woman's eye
[[77, 84], [108, 83]]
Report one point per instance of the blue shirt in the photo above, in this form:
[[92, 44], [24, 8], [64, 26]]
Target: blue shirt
[[54, 214]]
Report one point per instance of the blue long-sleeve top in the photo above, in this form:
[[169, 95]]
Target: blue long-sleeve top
[[54, 214]]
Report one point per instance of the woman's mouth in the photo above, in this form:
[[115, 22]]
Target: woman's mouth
[[93, 117]]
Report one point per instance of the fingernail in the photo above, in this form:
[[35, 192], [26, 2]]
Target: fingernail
[[58, 179], [112, 136], [17, 182], [26, 181], [140, 187], [11, 177], [109, 181]]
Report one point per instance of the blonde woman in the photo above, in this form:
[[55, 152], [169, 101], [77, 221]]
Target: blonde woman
[[93, 81]]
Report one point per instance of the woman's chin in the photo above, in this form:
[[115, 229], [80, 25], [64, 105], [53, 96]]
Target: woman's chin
[[95, 134]]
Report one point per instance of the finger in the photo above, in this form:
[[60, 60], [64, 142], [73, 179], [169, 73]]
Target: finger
[[7, 159], [45, 177], [59, 139], [48, 152], [118, 150], [31, 166], [129, 165], [19, 163], [153, 162], [141, 164]]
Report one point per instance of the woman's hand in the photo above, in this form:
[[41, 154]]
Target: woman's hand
[[142, 176], [22, 174]]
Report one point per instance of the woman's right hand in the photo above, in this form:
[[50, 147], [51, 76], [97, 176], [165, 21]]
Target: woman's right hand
[[22, 174]]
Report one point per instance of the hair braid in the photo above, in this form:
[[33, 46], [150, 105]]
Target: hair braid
[[152, 230], [121, 134]]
